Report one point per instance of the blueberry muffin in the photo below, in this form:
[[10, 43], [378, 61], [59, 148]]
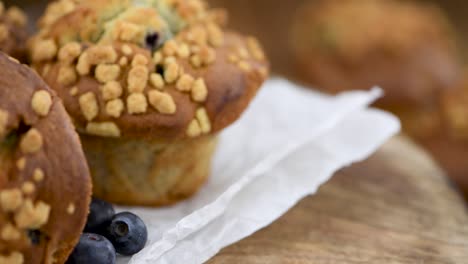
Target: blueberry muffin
[[149, 85], [13, 31], [45, 186], [407, 48]]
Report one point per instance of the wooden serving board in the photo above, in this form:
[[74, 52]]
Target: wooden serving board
[[396, 207]]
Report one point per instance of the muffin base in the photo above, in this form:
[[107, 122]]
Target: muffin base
[[148, 172]]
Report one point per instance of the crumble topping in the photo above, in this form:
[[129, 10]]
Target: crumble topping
[[30, 216], [115, 108], [105, 129], [67, 75], [10, 233], [194, 129], [41, 102], [111, 90], [21, 163], [157, 81], [11, 200], [199, 90], [44, 50], [16, 15], [71, 208], [185, 83], [31, 142], [74, 91], [69, 52], [28, 187], [107, 72], [162, 102], [89, 106], [203, 120], [172, 72], [13, 258], [38, 175], [137, 79], [136, 103]]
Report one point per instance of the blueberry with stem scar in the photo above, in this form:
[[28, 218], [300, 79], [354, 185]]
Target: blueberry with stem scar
[[128, 233], [152, 40], [35, 236]]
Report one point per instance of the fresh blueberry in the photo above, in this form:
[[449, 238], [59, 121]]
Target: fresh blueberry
[[35, 236], [160, 69], [128, 233], [152, 40], [94, 249], [100, 215]]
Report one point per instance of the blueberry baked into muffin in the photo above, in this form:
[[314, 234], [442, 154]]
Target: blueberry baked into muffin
[[43, 204], [13, 31], [407, 48], [149, 84]]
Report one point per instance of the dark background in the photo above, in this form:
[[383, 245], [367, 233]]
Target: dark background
[[271, 20]]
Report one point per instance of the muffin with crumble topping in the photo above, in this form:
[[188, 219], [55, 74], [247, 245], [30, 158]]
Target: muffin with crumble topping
[[407, 48], [43, 204], [149, 84]]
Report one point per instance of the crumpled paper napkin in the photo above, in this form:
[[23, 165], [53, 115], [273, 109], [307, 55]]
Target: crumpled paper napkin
[[288, 143]]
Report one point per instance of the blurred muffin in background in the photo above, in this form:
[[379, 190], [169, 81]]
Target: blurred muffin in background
[[450, 144], [406, 48], [13, 31], [454, 105]]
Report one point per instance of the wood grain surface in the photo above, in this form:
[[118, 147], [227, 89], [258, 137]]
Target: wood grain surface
[[396, 207]]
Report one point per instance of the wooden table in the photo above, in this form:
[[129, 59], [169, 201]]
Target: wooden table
[[396, 207]]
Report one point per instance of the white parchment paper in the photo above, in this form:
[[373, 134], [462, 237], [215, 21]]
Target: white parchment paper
[[288, 143]]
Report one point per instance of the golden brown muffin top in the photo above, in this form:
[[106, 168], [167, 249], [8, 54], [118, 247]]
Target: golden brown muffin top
[[406, 47], [43, 204], [149, 68], [13, 32]]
